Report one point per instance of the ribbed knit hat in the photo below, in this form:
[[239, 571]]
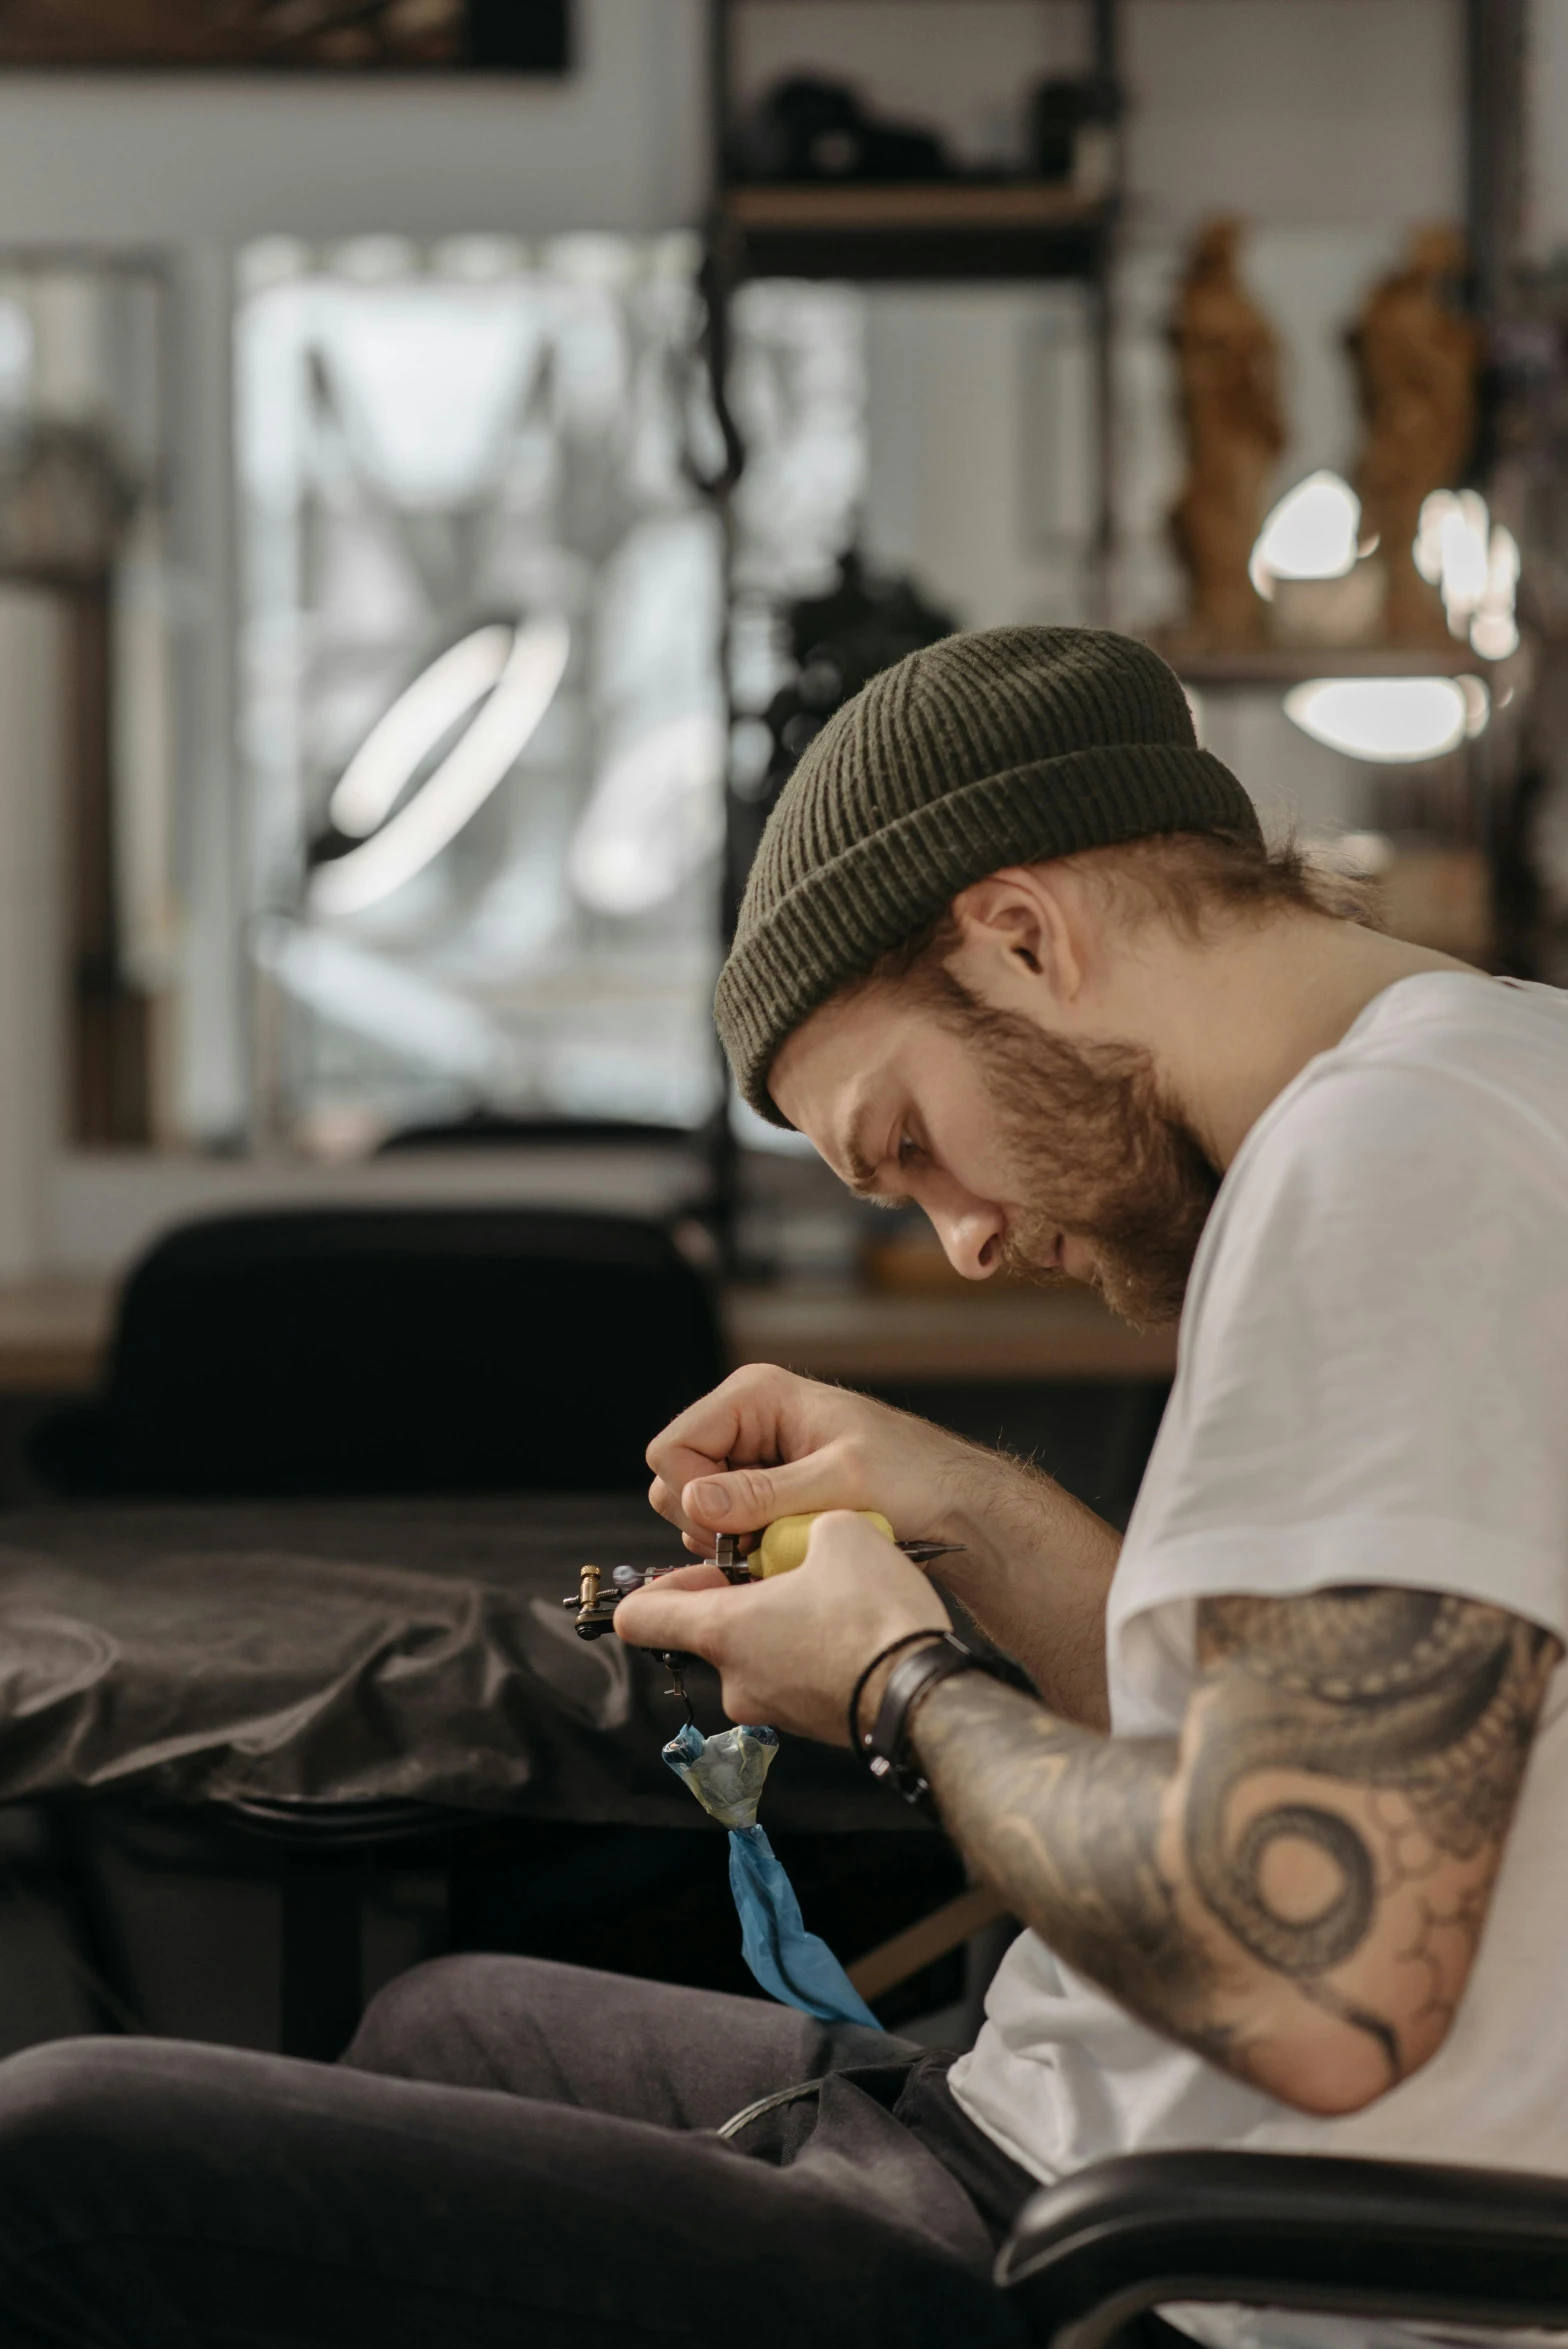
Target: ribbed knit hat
[[998, 748]]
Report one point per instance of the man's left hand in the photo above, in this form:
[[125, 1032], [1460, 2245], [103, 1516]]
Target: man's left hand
[[790, 1649]]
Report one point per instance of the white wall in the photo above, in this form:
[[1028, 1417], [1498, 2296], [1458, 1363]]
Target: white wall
[[1297, 113], [32, 974], [107, 1206], [978, 479], [1546, 178], [203, 159]]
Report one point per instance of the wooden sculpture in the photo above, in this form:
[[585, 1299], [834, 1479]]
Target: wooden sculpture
[[1416, 357], [1227, 364]]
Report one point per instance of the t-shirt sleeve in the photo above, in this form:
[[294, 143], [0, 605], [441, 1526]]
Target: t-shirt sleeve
[[1374, 1383]]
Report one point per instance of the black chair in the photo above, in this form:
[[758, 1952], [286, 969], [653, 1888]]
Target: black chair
[[1406, 2242], [407, 1350]]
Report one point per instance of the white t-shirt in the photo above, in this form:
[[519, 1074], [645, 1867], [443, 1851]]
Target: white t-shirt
[[1372, 1387]]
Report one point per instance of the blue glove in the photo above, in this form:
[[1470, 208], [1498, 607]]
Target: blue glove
[[726, 1775]]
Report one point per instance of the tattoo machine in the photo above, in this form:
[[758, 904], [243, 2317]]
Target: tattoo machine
[[778, 1549], [596, 1606]]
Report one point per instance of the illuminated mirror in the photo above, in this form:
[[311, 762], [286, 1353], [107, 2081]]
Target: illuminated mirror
[[483, 717]]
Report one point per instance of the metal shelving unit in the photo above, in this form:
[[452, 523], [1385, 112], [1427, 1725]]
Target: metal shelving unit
[[952, 231], [912, 232]]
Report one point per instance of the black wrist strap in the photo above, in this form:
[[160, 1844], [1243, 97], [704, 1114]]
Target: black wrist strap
[[857, 1735], [885, 1747]]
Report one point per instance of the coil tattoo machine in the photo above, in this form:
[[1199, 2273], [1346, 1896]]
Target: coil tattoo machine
[[778, 1550], [596, 1605]]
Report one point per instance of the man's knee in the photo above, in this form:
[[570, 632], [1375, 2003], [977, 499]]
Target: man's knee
[[409, 2028], [57, 2103], [492, 2021]]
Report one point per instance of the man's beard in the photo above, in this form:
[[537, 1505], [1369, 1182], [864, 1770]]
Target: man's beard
[[1093, 1150]]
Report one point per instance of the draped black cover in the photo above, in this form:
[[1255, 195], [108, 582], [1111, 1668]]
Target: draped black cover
[[355, 1652]]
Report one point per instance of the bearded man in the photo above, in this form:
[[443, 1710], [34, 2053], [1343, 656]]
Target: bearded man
[[1283, 1808]]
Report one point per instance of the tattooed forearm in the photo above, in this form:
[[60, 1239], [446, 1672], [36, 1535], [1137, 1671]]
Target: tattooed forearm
[[1068, 1827], [1297, 1888]]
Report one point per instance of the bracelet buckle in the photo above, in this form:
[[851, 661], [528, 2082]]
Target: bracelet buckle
[[886, 1743]]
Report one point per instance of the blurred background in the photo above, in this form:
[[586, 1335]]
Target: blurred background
[[452, 460], [353, 418]]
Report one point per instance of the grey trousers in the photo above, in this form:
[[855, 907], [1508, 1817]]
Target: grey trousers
[[510, 2153]]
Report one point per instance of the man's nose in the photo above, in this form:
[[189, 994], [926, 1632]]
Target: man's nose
[[971, 1233]]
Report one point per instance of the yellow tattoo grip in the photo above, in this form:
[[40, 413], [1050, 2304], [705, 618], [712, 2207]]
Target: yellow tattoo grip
[[783, 1546]]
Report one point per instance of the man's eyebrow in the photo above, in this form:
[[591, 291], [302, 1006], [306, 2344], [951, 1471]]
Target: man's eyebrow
[[863, 1171], [862, 1174]]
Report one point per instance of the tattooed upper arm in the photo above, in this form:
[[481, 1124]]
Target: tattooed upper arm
[[1350, 1771], [1296, 1887]]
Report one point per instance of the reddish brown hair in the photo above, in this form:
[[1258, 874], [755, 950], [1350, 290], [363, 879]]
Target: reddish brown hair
[[1188, 879]]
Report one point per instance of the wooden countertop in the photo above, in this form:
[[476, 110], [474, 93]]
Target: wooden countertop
[[862, 204], [882, 1339], [54, 1333]]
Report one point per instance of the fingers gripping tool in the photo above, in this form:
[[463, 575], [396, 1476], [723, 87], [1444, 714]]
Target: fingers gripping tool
[[780, 1548]]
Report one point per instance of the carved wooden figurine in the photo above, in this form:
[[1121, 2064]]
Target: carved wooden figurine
[[1415, 356], [1227, 364]]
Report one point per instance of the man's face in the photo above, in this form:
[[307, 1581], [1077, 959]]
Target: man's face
[[1030, 1152]]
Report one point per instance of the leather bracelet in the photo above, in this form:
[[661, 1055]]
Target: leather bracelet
[[856, 1739], [886, 1746]]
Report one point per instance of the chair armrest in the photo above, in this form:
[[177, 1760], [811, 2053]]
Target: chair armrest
[[1418, 2241]]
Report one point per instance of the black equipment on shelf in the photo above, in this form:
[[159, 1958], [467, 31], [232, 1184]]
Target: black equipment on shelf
[[808, 128], [839, 642]]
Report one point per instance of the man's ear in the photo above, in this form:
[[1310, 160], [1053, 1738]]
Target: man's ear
[[1021, 928]]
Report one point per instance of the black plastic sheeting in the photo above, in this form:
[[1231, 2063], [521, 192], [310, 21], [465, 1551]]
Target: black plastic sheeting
[[314, 1652]]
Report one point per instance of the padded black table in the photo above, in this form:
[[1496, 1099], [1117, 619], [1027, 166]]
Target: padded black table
[[339, 1675], [344, 1652]]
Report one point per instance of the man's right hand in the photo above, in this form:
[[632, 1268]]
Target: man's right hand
[[767, 1444], [1036, 1564]]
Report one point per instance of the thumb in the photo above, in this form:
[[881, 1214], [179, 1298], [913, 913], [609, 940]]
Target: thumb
[[745, 1500], [686, 1616]]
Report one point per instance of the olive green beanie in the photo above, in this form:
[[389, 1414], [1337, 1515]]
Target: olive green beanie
[[998, 748]]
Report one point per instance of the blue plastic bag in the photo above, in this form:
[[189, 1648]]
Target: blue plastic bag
[[726, 1775]]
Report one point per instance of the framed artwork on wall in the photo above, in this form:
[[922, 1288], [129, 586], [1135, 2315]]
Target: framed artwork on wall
[[323, 36]]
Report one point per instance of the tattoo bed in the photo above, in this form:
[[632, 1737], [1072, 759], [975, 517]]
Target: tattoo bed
[[333, 1688]]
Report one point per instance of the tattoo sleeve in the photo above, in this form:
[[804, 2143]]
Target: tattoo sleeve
[[1297, 1885]]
